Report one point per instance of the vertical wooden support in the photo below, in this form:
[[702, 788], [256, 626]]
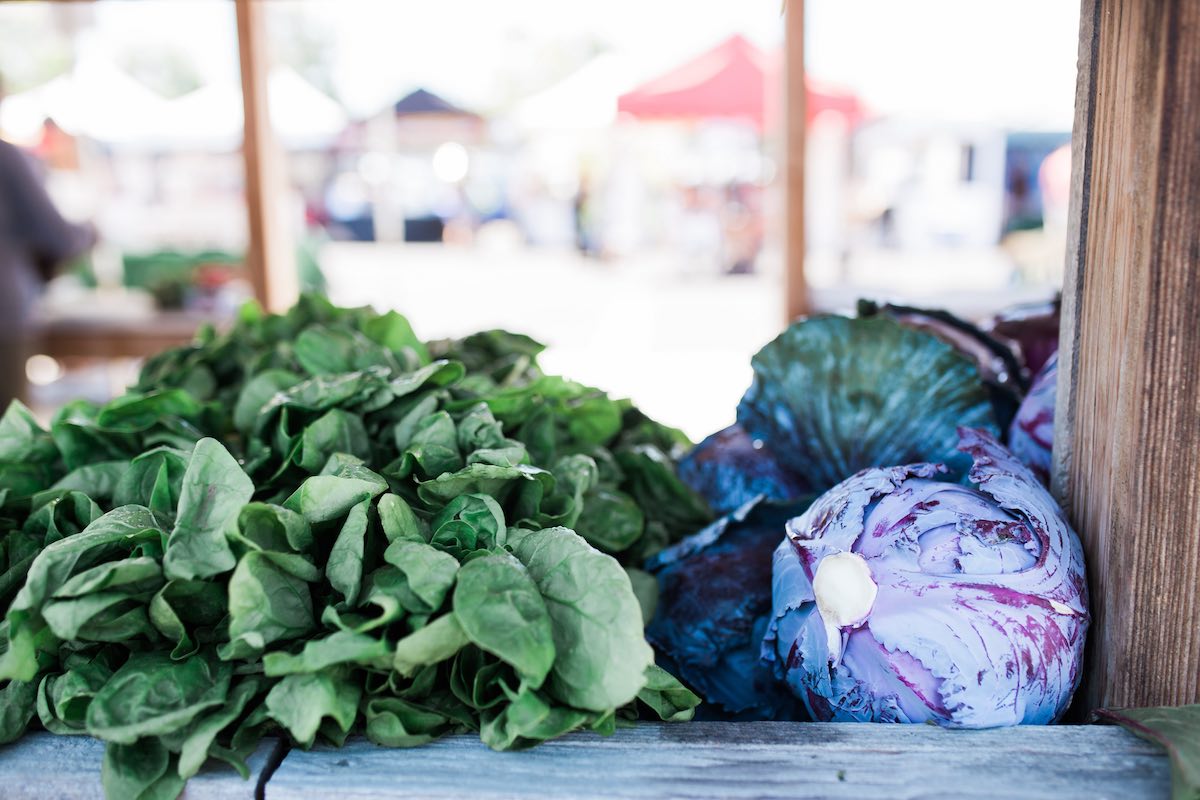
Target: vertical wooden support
[[270, 257], [1128, 419], [795, 122]]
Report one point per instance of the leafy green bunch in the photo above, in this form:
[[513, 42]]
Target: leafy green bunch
[[317, 524]]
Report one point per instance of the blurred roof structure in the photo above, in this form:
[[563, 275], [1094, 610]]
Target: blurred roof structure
[[423, 101], [303, 116], [96, 99], [585, 99], [734, 80]]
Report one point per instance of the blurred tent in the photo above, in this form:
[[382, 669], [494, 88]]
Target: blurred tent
[[423, 101], [421, 120], [96, 100], [304, 117], [585, 99], [734, 80]]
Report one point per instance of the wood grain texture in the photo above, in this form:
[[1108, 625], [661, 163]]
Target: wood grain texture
[[795, 127], [1077, 229], [42, 766], [746, 760], [270, 258], [1132, 342]]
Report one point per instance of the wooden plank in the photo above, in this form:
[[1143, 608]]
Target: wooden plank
[[1077, 226], [795, 125], [43, 765], [745, 760], [270, 256], [116, 338], [1130, 395]]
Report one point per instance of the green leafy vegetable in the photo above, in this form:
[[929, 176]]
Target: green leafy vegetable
[[1177, 729], [313, 525]]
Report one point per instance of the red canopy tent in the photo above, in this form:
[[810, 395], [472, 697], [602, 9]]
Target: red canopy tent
[[734, 80]]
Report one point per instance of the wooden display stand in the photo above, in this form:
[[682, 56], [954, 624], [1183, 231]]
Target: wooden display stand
[[1127, 447]]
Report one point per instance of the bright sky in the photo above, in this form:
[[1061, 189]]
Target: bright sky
[[1011, 60]]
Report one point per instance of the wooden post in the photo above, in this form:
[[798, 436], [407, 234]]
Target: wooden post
[[795, 121], [1128, 419], [270, 256]]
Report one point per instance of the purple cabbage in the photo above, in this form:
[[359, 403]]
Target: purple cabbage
[[731, 468], [714, 606], [899, 597], [1031, 437], [1031, 331], [999, 366], [832, 395]]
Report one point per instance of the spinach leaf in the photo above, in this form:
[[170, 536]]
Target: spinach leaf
[[595, 618], [300, 702], [151, 695], [213, 492], [501, 611]]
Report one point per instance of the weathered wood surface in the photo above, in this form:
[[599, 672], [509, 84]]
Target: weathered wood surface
[[746, 760], [43, 766], [1129, 406], [795, 128]]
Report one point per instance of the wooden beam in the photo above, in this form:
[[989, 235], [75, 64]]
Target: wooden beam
[[747, 761], [270, 256], [795, 123], [1128, 417]]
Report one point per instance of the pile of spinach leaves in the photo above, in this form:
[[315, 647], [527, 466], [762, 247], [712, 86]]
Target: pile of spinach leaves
[[315, 524]]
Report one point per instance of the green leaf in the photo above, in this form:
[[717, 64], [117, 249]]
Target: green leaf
[[257, 393], [273, 528], [155, 480], [1177, 730], [98, 481], [434, 446], [18, 703], [322, 498], [151, 695], [596, 620], [131, 576], [214, 490], [436, 642], [500, 610], [645, 588], [667, 697], [70, 618], [117, 533], [469, 522], [429, 571], [340, 647], [394, 332], [63, 699], [183, 608], [202, 736], [300, 702], [266, 604], [395, 722], [22, 439], [399, 522], [139, 771], [337, 431], [136, 412], [345, 565], [611, 520], [478, 479]]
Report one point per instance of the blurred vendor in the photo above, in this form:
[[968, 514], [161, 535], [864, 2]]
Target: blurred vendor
[[34, 241]]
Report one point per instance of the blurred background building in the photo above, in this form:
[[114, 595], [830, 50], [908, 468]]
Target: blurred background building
[[605, 177]]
